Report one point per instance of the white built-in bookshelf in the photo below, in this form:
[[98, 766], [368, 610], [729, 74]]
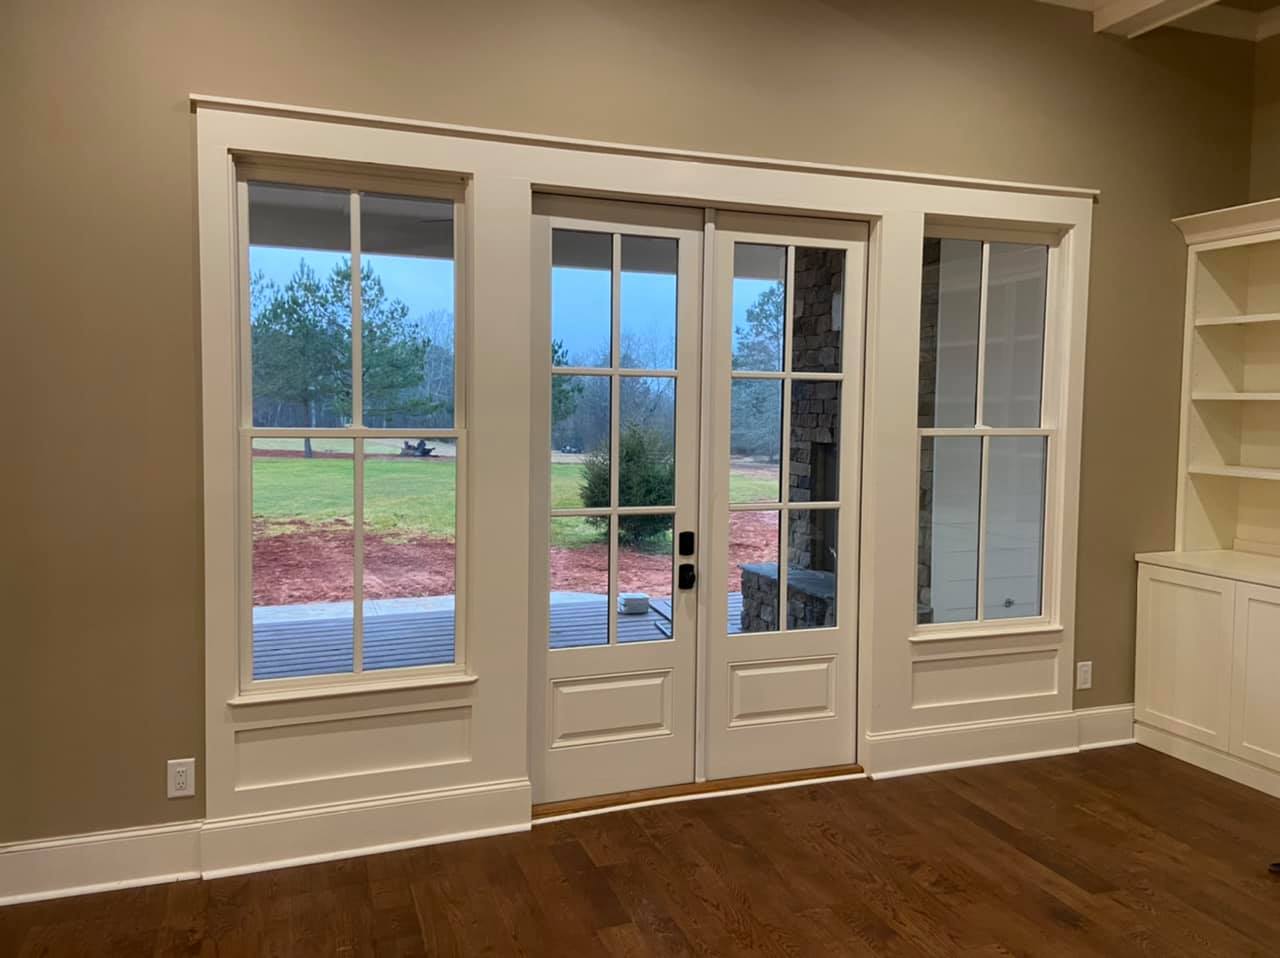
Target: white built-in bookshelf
[[1208, 641], [1229, 495]]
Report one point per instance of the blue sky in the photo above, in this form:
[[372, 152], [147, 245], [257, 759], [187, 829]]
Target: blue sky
[[580, 312], [424, 284]]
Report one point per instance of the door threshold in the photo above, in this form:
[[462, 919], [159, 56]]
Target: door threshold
[[616, 801]]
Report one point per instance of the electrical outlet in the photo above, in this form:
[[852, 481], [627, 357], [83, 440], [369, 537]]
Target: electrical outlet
[[1084, 675], [182, 777]]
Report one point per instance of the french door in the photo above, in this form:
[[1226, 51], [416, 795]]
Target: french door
[[703, 398]]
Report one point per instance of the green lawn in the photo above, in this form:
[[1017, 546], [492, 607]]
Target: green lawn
[[411, 497]]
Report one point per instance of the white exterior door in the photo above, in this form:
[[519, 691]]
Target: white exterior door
[[703, 464], [613, 707], [783, 445]]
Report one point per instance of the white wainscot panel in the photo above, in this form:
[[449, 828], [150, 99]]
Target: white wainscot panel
[[782, 690], [610, 708], [968, 678], [351, 745]]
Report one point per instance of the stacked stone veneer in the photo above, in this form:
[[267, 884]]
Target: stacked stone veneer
[[814, 456], [927, 392]]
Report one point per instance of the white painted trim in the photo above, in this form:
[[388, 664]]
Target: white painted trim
[[249, 843], [1105, 726], [150, 855], [98, 861], [699, 796], [131, 857], [942, 747], [1210, 759], [239, 105]]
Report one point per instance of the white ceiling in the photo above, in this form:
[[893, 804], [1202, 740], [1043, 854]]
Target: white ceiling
[[1243, 19]]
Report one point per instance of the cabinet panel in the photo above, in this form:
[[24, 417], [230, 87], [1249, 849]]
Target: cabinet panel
[[1184, 665], [1255, 691]]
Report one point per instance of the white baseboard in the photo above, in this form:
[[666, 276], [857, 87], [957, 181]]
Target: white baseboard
[[232, 846], [1210, 759], [128, 857], [98, 861], [1105, 726], [943, 747]]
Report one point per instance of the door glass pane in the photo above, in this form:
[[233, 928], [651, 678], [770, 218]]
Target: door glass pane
[[646, 441], [759, 285], [1017, 282], [811, 568], [949, 332], [947, 557], [410, 554], [579, 562], [815, 442], [581, 298], [300, 305], [817, 310], [1013, 569], [648, 302], [753, 571], [645, 573], [579, 441], [303, 557], [406, 311], [755, 440]]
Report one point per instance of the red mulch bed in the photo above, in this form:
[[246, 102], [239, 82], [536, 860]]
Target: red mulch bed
[[314, 564]]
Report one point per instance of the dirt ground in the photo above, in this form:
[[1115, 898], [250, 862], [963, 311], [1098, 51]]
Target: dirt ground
[[314, 565]]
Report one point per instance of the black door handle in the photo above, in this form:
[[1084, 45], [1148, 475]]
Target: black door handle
[[686, 577]]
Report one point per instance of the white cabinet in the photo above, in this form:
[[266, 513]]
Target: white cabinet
[[1208, 667], [1255, 687], [1183, 678]]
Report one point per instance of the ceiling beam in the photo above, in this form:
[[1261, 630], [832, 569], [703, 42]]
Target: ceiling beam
[[1132, 18]]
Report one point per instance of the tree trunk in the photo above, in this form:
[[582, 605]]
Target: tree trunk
[[306, 443]]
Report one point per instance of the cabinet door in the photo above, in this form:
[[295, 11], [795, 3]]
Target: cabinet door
[[1184, 667], [1255, 688]]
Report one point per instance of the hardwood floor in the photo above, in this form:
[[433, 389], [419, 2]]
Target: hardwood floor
[[1115, 852]]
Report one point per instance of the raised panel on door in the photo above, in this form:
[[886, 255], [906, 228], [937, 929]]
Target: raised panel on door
[[784, 367], [1255, 688], [1184, 653]]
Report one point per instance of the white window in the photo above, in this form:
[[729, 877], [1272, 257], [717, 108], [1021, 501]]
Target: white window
[[352, 430], [985, 420]]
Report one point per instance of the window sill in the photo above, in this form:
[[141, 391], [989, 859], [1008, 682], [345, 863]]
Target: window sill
[[1003, 632], [351, 688]]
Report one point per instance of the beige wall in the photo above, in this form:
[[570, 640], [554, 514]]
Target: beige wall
[[102, 576], [1265, 168]]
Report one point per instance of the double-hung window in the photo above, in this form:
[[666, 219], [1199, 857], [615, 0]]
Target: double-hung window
[[352, 426], [987, 405]]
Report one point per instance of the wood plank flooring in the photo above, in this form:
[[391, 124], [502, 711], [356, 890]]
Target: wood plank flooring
[[1115, 852]]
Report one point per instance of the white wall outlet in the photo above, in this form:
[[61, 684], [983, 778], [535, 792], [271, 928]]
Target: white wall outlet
[[1084, 675], [182, 777]]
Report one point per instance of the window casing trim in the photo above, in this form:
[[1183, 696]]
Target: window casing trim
[[356, 180]]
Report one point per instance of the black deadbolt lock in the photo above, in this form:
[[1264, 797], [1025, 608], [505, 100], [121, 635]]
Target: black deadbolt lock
[[686, 577], [686, 543]]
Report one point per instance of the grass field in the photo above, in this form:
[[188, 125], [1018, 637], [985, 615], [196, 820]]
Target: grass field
[[407, 498]]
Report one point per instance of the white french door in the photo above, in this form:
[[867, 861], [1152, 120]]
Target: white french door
[[783, 446], [702, 465]]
